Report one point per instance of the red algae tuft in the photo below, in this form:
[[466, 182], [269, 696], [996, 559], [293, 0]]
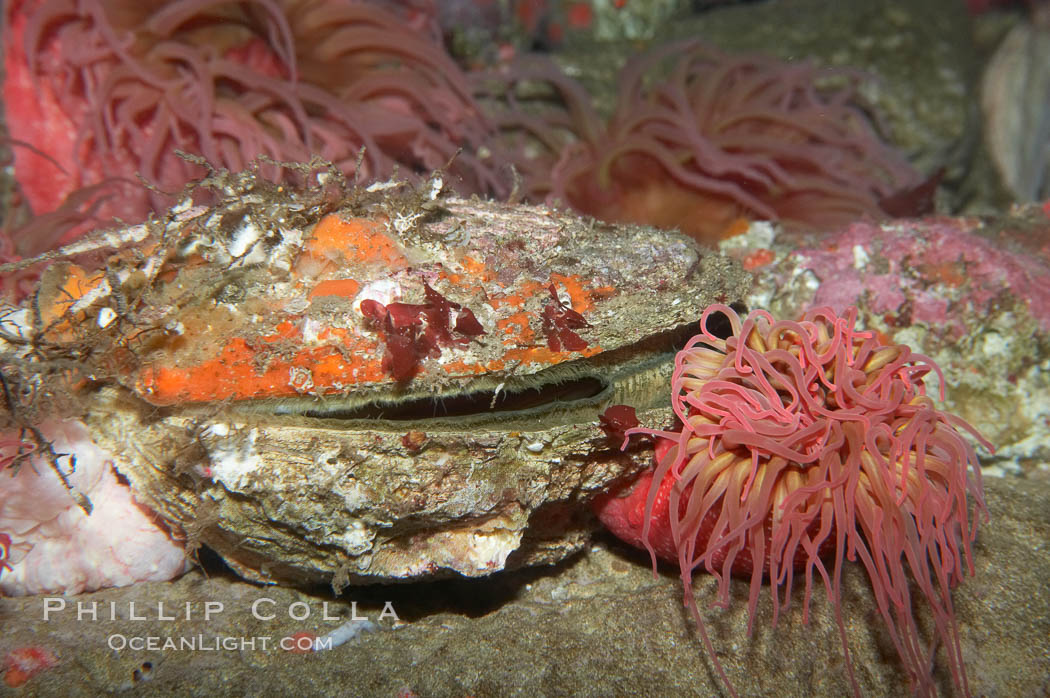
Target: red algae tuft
[[559, 323], [804, 444], [414, 331]]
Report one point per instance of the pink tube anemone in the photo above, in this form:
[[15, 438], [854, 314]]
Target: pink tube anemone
[[710, 139], [804, 444], [112, 88]]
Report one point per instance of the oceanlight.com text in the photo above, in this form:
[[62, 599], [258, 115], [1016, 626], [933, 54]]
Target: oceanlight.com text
[[200, 643]]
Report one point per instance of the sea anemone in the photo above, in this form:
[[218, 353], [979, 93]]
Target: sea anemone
[[708, 140], [104, 90], [804, 444]]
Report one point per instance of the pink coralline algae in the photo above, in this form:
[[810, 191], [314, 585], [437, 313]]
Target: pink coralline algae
[[931, 272], [805, 445], [55, 546]]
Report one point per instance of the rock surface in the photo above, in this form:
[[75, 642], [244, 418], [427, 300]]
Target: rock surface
[[973, 294], [596, 625], [920, 55]]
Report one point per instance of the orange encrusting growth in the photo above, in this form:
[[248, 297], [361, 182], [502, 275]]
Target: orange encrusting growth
[[543, 355], [265, 352], [515, 329], [347, 288], [55, 306], [284, 330], [463, 368], [477, 270], [355, 240], [758, 259], [580, 297], [950, 273], [526, 290], [235, 374], [472, 277], [77, 284]]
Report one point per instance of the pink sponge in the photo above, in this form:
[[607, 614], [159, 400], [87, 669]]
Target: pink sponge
[[56, 547]]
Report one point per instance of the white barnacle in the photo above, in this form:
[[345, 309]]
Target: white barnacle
[[358, 539], [436, 184], [861, 258], [383, 186], [301, 379], [233, 455], [106, 316]]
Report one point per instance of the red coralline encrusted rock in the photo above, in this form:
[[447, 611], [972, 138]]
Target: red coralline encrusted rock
[[974, 293]]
